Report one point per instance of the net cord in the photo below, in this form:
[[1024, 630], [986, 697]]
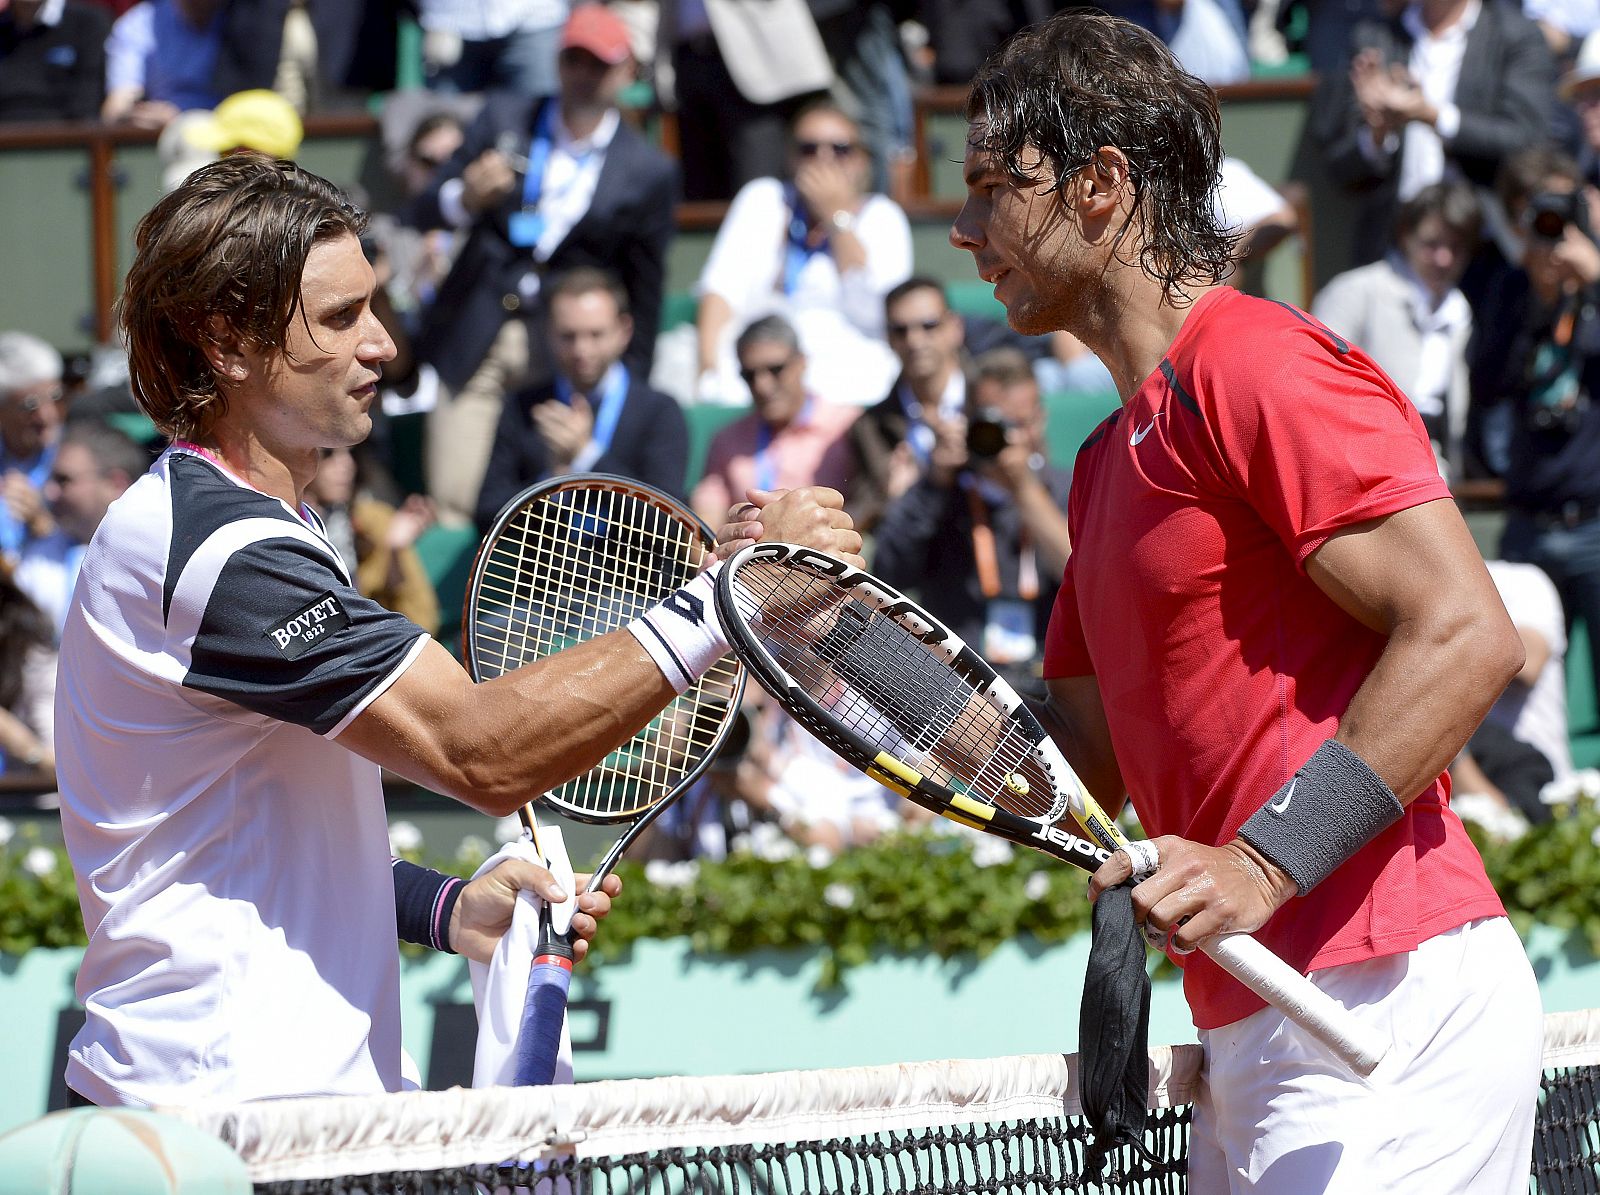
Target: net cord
[[424, 1130]]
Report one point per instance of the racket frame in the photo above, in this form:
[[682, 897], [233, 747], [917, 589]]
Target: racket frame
[[1240, 955]]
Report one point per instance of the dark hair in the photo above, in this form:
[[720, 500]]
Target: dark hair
[[584, 280], [1004, 366], [911, 286], [230, 244], [1524, 174], [1456, 205], [769, 329], [1084, 80], [428, 126], [821, 104], [112, 450], [22, 628]]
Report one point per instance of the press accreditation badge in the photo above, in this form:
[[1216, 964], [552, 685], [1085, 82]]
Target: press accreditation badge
[[1008, 632], [298, 633], [525, 228]]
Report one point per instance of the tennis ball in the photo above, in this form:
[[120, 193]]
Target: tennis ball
[[91, 1151]]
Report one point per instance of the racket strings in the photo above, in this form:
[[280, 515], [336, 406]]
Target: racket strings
[[574, 564], [873, 674]]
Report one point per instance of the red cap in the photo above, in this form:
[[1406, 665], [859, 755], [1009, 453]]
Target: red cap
[[595, 28]]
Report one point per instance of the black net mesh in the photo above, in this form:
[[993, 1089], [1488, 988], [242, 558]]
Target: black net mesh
[[1013, 1158]]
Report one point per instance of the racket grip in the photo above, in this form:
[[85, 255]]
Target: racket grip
[[1358, 1046], [539, 1036]]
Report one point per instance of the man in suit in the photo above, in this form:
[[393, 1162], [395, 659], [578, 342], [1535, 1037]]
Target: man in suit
[[1448, 88], [540, 187], [596, 415], [892, 440]]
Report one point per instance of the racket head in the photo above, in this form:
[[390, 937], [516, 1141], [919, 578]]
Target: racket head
[[576, 557], [888, 687]]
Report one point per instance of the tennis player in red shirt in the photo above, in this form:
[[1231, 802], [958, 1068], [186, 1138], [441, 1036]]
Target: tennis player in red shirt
[[1274, 634]]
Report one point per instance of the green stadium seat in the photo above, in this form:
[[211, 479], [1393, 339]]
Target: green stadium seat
[[679, 308], [1583, 711], [705, 421], [447, 553], [974, 296], [1069, 418]]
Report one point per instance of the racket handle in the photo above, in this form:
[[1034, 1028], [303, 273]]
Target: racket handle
[[539, 1037], [1358, 1046]]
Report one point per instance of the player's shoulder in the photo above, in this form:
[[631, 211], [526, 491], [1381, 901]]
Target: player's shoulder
[[1238, 345]]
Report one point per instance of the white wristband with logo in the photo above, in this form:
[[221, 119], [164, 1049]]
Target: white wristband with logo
[[682, 634]]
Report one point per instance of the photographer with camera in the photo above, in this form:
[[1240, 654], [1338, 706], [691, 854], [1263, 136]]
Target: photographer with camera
[[981, 535], [1539, 358]]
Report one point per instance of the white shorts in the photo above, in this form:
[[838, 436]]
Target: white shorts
[[1449, 1111]]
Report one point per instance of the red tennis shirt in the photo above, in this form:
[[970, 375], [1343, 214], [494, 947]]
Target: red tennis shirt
[[1221, 664]]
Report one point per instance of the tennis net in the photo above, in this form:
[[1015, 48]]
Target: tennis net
[[1007, 1125]]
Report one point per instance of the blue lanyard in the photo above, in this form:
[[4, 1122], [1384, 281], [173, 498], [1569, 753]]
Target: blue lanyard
[[797, 250], [538, 157], [611, 393]]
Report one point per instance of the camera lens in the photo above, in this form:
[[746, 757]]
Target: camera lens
[[986, 434]]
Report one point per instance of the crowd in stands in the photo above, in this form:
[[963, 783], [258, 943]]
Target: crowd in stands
[[522, 257]]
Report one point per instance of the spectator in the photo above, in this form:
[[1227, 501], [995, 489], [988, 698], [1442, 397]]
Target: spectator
[[160, 58], [539, 187], [962, 33], [1447, 88], [1410, 316], [319, 55], [93, 466], [1206, 36], [982, 532], [376, 541], [52, 60], [31, 397], [818, 250], [1539, 357], [792, 438], [27, 682], [1522, 744], [1258, 213], [735, 72], [259, 120], [892, 439], [1580, 90], [595, 415], [507, 46]]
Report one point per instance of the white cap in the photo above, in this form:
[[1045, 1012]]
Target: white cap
[[1585, 70]]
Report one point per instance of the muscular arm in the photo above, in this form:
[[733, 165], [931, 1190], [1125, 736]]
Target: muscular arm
[[1076, 719], [1417, 577]]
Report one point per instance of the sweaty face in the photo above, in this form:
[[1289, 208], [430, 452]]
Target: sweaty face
[[588, 336], [924, 334], [318, 391], [1023, 239], [775, 374]]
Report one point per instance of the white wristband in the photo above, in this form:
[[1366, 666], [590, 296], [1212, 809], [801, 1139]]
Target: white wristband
[[682, 634]]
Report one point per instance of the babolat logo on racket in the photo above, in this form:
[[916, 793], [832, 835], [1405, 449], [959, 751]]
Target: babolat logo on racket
[[1072, 843], [295, 634]]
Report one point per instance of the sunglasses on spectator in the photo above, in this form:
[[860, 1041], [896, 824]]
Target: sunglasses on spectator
[[839, 149], [900, 331], [33, 402], [751, 373]]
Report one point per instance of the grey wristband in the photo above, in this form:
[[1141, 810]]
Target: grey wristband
[[1329, 810]]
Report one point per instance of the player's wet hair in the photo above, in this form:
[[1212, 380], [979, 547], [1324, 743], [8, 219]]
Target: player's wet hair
[[1084, 80], [220, 256]]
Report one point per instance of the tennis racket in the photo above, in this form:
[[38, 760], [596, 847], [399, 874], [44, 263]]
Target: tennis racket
[[565, 561], [893, 692]]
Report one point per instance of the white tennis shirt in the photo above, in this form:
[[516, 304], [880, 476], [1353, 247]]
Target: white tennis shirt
[[232, 859]]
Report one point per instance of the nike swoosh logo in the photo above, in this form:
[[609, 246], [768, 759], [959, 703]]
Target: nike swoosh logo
[[1280, 806], [1142, 432]]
